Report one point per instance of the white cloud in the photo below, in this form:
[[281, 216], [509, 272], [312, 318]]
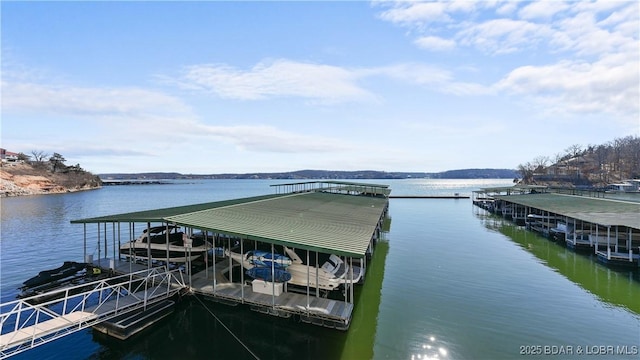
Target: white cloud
[[579, 87], [571, 57], [262, 138], [502, 36], [543, 10], [143, 121], [507, 8], [86, 101], [435, 43], [416, 13], [586, 28], [279, 78]]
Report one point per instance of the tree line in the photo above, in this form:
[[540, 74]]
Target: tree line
[[595, 165], [55, 163]]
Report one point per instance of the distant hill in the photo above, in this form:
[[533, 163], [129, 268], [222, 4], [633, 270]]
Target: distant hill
[[324, 174], [477, 174]]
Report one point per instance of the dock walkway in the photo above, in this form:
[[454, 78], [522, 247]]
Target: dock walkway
[[24, 325]]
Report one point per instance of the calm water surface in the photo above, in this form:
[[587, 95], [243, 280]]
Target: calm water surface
[[449, 282]]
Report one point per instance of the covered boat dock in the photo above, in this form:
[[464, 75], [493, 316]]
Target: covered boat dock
[[314, 219], [609, 228]]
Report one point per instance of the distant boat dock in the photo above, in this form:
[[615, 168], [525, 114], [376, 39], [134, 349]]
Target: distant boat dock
[[454, 196], [606, 227], [134, 182]]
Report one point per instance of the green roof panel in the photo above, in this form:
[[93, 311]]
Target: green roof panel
[[326, 222]]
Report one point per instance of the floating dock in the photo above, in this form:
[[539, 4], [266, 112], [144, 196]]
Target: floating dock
[[608, 228], [337, 221], [317, 218], [455, 196]]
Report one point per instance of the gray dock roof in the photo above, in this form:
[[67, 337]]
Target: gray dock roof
[[605, 212]]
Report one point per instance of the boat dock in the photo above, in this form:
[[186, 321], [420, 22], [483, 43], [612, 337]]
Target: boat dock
[[454, 196], [328, 230], [608, 228]]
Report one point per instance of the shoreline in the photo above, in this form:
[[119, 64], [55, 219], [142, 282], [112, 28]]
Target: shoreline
[[17, 191]]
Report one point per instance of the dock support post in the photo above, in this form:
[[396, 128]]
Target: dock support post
[[242, 270], [148, 246], [351, 278], [99, 244], [597, 238], [308, 278], [106, 253], [113, 231], [84, 239], [609, 243], [317, 276], [230, 262], [273, 278]]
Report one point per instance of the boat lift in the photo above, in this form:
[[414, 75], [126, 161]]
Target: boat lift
[[24, 326]]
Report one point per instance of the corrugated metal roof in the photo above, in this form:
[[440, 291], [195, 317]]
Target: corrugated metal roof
[[325, 222], [606, 212], [512, 189], [158, 215]]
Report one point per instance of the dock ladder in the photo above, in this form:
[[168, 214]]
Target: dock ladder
[[25, 325]]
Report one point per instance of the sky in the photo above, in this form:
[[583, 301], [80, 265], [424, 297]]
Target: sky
[[237, 87]]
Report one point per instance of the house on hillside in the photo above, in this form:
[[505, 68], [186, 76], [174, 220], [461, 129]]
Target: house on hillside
[[8, 156]]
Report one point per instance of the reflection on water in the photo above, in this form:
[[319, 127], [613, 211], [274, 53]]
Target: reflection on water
[[431, 350], [615, 286], [360, 337]]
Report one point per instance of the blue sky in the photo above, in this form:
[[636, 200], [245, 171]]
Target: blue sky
[[213, 87]]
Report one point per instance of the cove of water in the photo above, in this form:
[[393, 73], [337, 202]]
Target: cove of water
[[449, 281]]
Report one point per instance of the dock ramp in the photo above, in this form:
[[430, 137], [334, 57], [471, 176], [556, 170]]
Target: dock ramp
[[24, 325]]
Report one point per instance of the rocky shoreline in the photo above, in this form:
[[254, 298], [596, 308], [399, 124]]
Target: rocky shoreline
[[23, 180]]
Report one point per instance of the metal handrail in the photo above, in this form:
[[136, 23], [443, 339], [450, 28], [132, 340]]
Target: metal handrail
[[24, 325]]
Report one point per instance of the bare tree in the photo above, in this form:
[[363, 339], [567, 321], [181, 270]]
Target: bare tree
[[574, 150], [39, 155], [526, 170], [540, 163]]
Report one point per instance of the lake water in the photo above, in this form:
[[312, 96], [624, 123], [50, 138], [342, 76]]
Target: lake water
[[449, 282]]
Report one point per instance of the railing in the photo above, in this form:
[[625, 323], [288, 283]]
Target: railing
[[24, 325]]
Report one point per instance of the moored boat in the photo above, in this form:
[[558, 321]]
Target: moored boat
[[68, 270], [330, 276], [166, 243], [269, 274]]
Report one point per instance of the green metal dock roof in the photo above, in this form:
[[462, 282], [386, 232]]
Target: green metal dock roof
[[605, 212], [159, 215], [318, 221]]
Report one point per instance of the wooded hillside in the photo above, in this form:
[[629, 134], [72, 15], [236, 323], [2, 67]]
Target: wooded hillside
[[588, 166]]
